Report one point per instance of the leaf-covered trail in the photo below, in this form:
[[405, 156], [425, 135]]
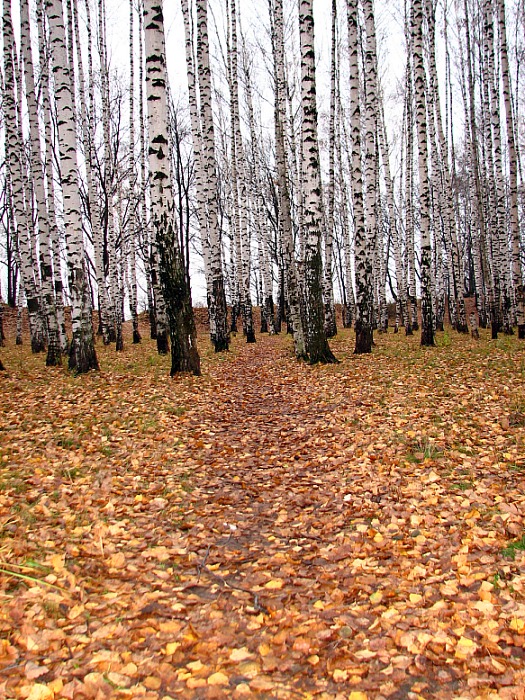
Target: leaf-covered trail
[[270, 530]]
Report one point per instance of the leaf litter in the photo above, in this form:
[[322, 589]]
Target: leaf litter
[[269, 530]]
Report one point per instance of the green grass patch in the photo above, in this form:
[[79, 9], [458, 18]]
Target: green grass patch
[[513, 547]]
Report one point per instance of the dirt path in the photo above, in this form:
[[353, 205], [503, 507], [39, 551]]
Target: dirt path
[[270, 530]]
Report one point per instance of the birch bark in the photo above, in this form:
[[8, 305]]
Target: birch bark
[[82, 355], [317, 344], [291, 282], [176, 292], [207, 185], [427, 322], [37, 179]]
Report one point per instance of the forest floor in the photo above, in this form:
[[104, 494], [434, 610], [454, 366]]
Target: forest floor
[[268, 530]]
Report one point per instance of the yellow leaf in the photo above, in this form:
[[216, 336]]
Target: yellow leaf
[[195, 666], [415, 597], [40, 692], [218, 678], [75, 612], [339, 675], [56, 685], [152, 682], [472, 514], [57, 562], [313, 660], [274, 584], [240, 654], [319, 605], [117, 561], [376, 598], [517, 625], [357, 695], [171, 647], [484, 606], [465, 648]]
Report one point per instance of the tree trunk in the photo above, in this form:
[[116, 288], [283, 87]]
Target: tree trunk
[[362, 253], [183, 336], [427, 321], [14, 155], [517, 274], [37, 177], [82, 355], [290, 279]]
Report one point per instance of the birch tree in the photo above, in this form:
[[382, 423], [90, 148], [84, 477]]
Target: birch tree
[[132, 179], [206, 172], [176, 292], [82, 355], [239, 190], [291, 282], [420, 95], [363, 255], [317, 344], [517, 274], [15, 157], [37, 181], [329, 309]]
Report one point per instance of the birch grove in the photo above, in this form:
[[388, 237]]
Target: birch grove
[[341, 184]]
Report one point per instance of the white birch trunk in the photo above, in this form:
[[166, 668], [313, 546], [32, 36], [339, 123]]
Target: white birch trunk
[[290, 270], [317, 344], [420, 95], [15, 157], [267, 305], [176, 292], [82, 355], [204, 142], [363, 262], [517, 273], [37, 178], [131, 234], [328, 287], [88, 112]]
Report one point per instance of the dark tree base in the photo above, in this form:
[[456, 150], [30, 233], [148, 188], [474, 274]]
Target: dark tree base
[[162, 343], [250, 336], [191, 365], [427, 338], [2, 368], [221, 344], [494, 326], [326, 357], [37, 346], [264, 324], [136, 337], [82, 357], [152, 324], [521, 332], [54, 356], [409, 330], [119, 343], [364, 339]]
